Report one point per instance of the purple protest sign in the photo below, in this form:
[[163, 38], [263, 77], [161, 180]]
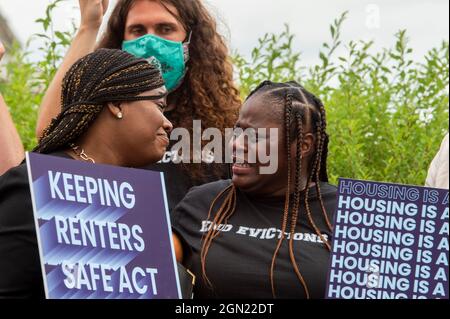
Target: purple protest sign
[[390, 241], [103, 231]]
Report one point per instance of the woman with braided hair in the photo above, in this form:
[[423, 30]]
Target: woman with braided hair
[[120, 99], [265, 235], [182, 35], [112, 113]]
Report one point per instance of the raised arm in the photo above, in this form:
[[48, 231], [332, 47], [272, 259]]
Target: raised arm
[[12, 152], [92, 12]]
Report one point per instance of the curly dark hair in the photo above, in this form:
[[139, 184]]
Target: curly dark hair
[[207, 92]]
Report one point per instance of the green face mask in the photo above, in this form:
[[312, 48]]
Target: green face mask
[[169, 56]]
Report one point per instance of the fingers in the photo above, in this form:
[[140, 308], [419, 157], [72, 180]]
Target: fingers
[[92, 12]]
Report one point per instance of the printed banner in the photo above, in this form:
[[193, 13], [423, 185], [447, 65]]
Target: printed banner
[[103, 231], [390, 241]]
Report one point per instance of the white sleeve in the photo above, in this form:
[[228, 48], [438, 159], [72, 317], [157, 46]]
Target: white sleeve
[[438, 171]]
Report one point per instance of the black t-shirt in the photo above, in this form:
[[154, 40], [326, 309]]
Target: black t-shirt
[[178, 178], [20, 270], [239, 259]]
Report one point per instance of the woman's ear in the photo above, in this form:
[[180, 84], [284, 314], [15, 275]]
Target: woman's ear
[[308, 145], [115, 109]]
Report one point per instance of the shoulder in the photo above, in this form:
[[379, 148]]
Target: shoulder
[[328, 193], [18, 244], [442, 154], [444, 144], [203, 195], [18, 176], [328, 189], [16, 212], [438, 170], [15, 177], [443, 151], [195, 205], [208, 190], [15, 200]]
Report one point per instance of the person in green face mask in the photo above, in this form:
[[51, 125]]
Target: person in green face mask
[[182, 36], [170, 56]]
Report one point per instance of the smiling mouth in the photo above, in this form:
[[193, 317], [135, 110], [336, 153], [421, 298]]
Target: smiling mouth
[[242, 169], [163, 137], [243, 165], [240, 162]]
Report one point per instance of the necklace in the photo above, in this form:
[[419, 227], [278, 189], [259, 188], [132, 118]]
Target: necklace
[[80, 153]]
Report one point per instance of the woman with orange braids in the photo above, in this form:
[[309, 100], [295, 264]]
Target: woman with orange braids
[[182, 36], [265, 235]]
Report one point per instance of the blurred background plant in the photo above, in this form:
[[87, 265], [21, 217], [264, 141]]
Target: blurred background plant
[[25, 81], [387, 114]]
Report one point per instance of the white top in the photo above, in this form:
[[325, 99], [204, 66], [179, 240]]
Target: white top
[[438, 172]]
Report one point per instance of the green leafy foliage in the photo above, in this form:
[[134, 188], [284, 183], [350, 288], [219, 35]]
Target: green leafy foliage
[[25, 80], [387, 114]]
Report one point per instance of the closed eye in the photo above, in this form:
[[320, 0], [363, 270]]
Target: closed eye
[[161, 106]]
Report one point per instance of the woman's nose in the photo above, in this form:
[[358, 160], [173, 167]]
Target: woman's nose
[[167, 125], [238, 143]]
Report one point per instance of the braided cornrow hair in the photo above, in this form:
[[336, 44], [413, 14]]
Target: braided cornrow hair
[[301, 108], [106, 75]]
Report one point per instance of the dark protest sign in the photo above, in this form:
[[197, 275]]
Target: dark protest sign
[[103, 231], [390, 241]]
